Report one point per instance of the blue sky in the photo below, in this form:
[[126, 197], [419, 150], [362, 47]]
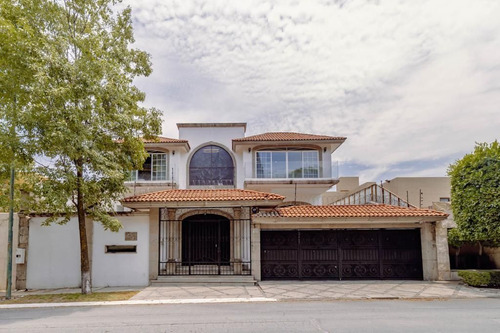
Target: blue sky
[[411, 84]]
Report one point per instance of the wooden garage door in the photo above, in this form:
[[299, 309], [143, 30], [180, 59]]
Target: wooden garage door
[[341, 254]]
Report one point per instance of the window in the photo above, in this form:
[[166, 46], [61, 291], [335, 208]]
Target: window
[[287, 164], [154, 168], [444, 199], [211, 165]]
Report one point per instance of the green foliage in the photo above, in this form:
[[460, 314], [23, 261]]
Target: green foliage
[[475, 192], [481, 278], [67, 96], [79, 74]]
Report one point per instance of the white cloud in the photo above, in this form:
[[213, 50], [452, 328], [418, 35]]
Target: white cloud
[[404, 81]]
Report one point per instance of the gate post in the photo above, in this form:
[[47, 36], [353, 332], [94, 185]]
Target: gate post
[[238, 266], [171, 263], [255, 251], [429, 251]]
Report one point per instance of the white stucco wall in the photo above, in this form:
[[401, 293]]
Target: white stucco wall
[[121, 269], [53, 256], [201, 136]]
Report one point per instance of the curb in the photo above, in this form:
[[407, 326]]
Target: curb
[[139, 302], [239, 300]]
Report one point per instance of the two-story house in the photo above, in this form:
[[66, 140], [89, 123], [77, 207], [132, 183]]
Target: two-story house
[[218, 202]]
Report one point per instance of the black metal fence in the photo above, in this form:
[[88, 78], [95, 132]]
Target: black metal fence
[[206, 244]]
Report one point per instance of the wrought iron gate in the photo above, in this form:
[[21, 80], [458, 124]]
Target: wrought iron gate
[[341, 254], [205, 244]]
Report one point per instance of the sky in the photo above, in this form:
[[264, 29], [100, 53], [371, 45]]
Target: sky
[[413, 85]]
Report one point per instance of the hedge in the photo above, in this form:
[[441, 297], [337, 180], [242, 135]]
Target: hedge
[[481, 278]]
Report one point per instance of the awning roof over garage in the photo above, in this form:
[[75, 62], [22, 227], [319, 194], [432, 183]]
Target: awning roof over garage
[[349, 216], [350, 211]]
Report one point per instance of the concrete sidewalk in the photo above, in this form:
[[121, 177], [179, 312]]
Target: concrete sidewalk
[[320, 290], [278, 291]]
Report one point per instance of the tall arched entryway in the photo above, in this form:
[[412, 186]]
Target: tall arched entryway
[[206, 243], [200, 241]]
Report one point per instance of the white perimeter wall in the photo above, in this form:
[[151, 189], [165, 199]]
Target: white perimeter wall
[[121, 269], [53, 256]]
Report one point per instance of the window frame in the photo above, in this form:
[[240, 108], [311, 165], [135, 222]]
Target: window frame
[[269, 174], [153, 156], [211, 168]]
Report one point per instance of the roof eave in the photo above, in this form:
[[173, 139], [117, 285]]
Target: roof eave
[[201, 203], [388, 220], [286, 142], [179, 145]]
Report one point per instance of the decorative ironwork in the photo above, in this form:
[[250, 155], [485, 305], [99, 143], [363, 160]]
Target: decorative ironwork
[[341, 254], [205, 244]]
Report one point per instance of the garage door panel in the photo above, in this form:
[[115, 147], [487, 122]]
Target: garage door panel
[[280, 271], [318, 240], [341, 254], [360, 271], [359, 239], [279, 239], [360, 255], [319, 271], [319, 255], [401, 271]]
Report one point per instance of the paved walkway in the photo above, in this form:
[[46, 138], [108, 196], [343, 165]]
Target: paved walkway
[[276, 291], [320, 290]]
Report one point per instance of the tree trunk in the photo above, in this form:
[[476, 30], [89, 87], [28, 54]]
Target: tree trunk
[[84, 250]]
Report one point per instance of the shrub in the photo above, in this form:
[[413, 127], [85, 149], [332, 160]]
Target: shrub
[[481, 278]]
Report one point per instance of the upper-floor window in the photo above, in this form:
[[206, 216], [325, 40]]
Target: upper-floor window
[[154, 168], [211, 165], [287, 163]]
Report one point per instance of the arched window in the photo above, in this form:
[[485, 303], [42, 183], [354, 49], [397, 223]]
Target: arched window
[[211, 165]]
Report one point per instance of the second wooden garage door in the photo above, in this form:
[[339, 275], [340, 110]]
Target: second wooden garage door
[[341, 254]]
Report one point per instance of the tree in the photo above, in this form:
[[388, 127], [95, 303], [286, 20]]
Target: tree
[[84, 113], [475, 195], [19, 46]]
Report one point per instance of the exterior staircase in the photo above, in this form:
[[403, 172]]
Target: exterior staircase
[[205, 279]]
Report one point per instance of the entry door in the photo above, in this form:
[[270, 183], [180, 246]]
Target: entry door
[[205, 240]]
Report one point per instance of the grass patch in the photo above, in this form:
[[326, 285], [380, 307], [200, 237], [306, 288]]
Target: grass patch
[[76, 297]]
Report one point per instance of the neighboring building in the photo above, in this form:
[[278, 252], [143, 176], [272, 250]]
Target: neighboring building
[[217, 202], [421, 191]]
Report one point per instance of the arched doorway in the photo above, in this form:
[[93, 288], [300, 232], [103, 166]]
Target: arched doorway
[[205, 243]]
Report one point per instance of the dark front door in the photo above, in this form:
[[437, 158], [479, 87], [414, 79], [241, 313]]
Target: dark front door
[[341, 254], [205, 241]]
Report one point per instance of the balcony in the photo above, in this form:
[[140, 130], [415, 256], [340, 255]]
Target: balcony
[[294, 188]]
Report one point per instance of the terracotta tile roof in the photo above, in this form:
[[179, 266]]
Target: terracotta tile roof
[[351, 211], [161, 139], [203, 195], [287, 136]]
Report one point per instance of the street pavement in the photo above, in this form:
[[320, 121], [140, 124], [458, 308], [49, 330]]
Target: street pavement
[[275, 291], [384, 316]]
